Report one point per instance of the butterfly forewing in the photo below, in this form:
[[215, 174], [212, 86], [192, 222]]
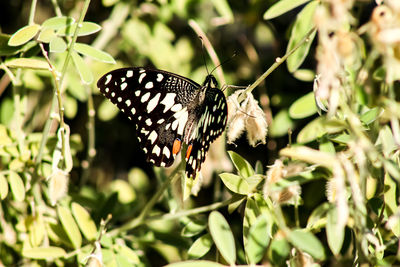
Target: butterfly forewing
[[167, 110]]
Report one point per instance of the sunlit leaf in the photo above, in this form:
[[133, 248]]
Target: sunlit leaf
[[282, 7], [334, 232], [70, 226], [257, 240], [222, 236], [86, 28], [57, 45], [200, 247], [3, 187], [44, 253], [94, 53], [241, 164], [303, 107], [307, 242], [24, 35], [235, 183], [85, 222], [27, 63], [17, 186], [83, 69], [303, 24], [56, 23]]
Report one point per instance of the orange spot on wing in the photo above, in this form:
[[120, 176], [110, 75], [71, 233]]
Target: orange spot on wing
[[188, 151], [176, 146]]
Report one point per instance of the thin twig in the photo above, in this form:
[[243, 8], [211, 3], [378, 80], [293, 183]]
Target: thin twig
[[32, 12], [210, 49], [277, 63]]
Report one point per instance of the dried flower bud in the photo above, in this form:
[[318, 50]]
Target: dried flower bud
[[58, 185], [256, 123]]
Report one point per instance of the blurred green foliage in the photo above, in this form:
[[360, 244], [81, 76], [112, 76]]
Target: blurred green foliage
[[324, 189]]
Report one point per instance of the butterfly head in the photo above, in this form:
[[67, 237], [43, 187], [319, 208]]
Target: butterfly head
[[210, 82]]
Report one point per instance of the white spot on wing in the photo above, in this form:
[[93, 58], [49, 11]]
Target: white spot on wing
[[160, 121], [107, 89], [129, 73], [148, 85], [166, 152], [174, 125], [156, 150], [153, 136], [108, 79], [119, 99], [153, 103], [123, 86], [168, 101], [159, 77], [128, 102], [137, 93], [176, 107], [148, 122], [145, 97], [141, 77], [133, 110], [113, 94]]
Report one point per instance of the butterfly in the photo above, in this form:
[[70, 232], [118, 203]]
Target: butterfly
[[168, 109]]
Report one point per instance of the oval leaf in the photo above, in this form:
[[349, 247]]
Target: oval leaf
[[241, 164], [257, 240], [235, 183], [281, 124], [82, 68], [70, 226], [200, 247], [222, 236], [193, 228], [334, 231], [107, 110], [85, 222], [28, 63], [17, 186], [57, 45], [194, 264], [307, 242], [24, 35], [46, 35], [58, 22], [303, 107], [3, 187], [303, 24], [94, 53], [86, 29], [44, 253], [282, 7], [318, 128]]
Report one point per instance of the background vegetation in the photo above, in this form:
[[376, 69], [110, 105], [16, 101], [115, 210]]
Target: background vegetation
[[322, 190]]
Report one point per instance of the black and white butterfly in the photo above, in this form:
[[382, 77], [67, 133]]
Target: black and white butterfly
[[168, 109]]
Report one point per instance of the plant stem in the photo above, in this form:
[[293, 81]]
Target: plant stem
[[32, 12], [278, 62], [147, 208]]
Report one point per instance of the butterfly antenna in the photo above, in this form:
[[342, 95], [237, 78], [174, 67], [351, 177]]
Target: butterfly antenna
[[223, 62], [202, 54]]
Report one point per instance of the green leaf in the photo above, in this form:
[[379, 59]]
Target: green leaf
[[46, 35], [390, 197], [3, 187], [282, 7], [82, 68], [200, 247], [56, 23], [194, 227], [44, 253], [236, 201], [24, 35], [70, 226], [129, 254], [223, 8], [86, 29], [5, 49], [334, 232], [317, 218], [107, 110], [279, 251], [241, 164], [302, 25], [17, 186], [281, 124], [85, 222], [257, 240], [94, 53], [251, 213], [222, 236], [307, 242], [371, 115], [235, 183], [28, 63], [57, 45], [304, 75], [318, 128], [303, 107], [392, 168], [192, 263]]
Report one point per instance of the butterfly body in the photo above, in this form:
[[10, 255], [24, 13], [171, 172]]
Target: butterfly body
[[168, 109]]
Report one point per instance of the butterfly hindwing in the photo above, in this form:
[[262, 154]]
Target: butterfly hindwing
[[211, 125]]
